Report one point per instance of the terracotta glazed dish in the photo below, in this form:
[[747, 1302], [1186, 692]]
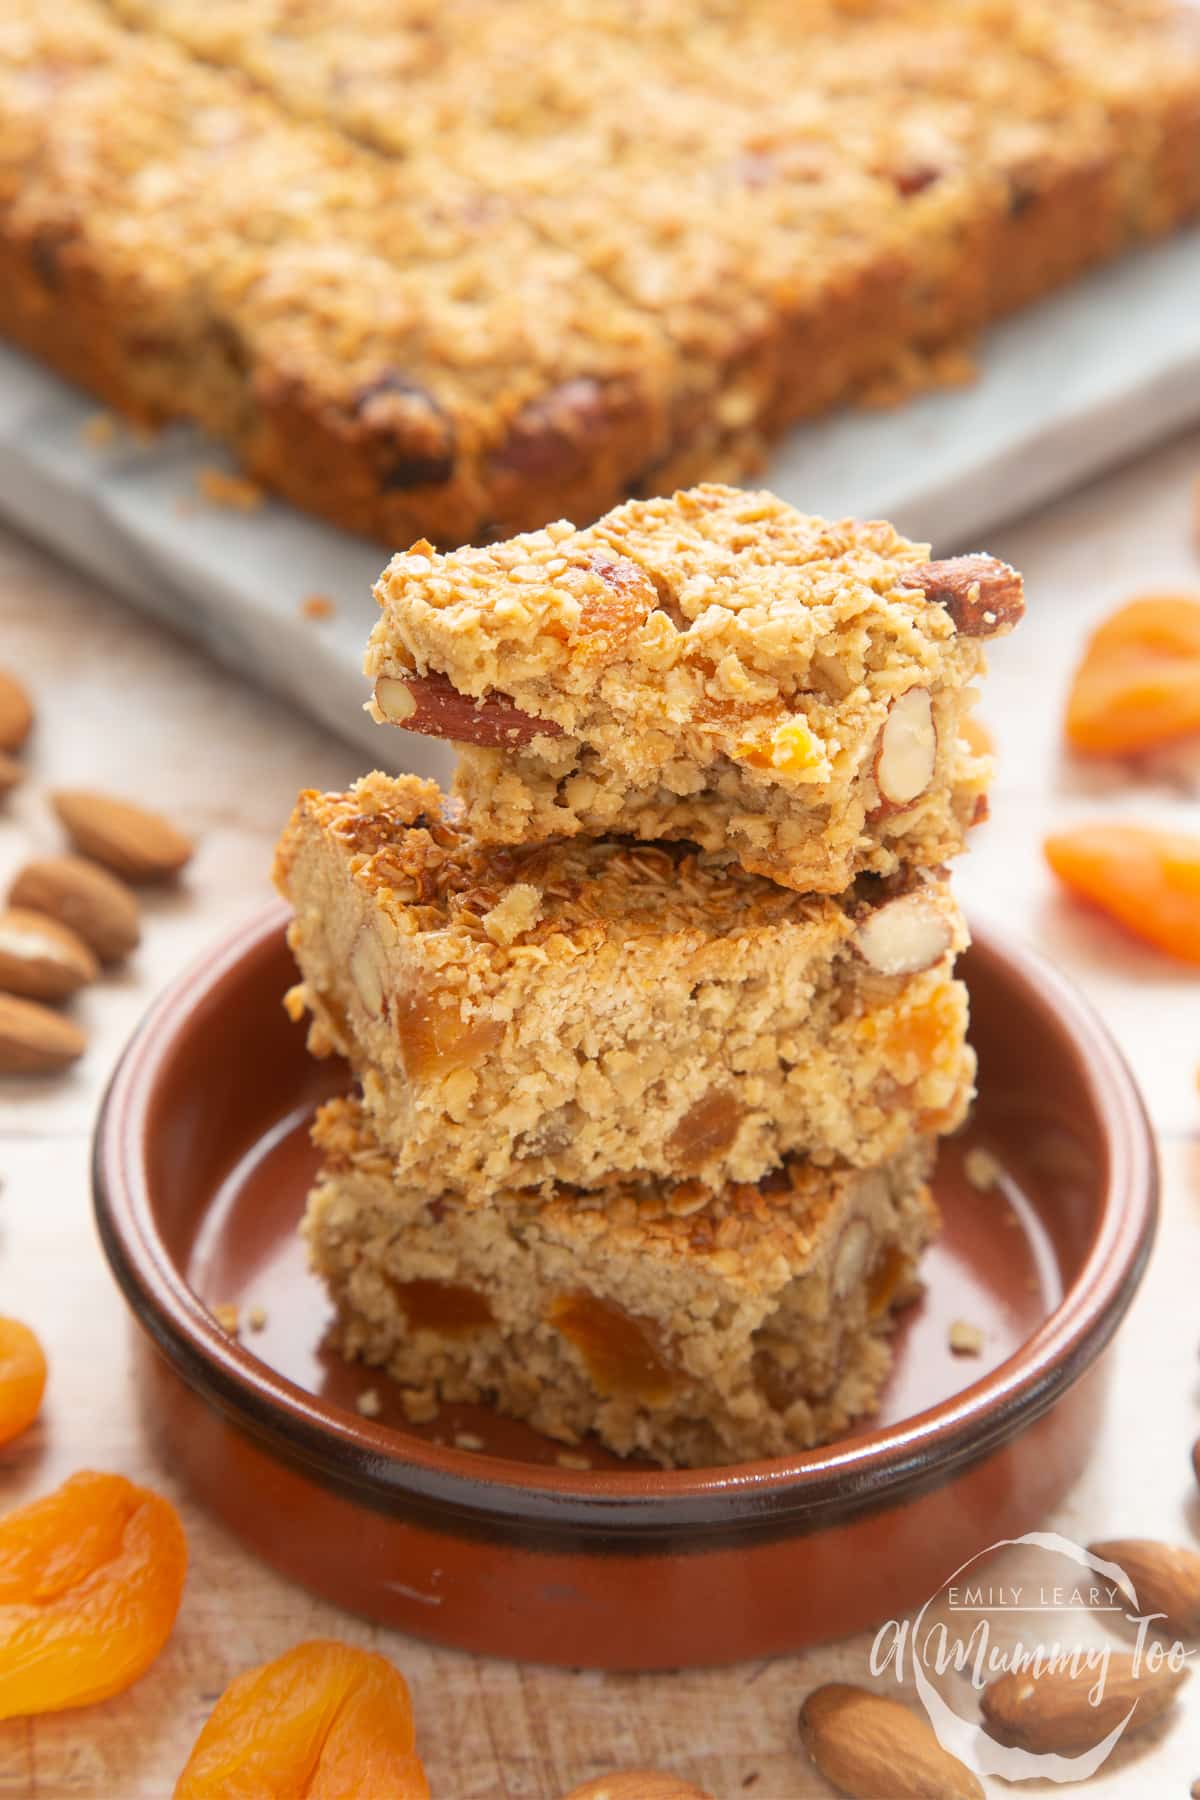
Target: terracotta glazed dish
[[201, 1167]]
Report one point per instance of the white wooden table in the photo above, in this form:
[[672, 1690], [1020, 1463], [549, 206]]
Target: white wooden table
[[124, 705]]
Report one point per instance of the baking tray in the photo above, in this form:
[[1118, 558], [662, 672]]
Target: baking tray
[[1066, 388]]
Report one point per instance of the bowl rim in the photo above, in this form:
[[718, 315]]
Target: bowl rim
[[473, 1491]]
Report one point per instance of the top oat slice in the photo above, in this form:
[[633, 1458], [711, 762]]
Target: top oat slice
[[716, 667]]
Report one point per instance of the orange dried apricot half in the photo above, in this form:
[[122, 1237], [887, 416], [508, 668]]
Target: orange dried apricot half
[[90, 1582], [1148, 880], [22, 1378], [1139, 682], [324, 1721]]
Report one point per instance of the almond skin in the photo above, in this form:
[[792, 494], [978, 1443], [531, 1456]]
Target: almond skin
[[16, 712], [1050, 1714], [983, 596], [41, 959], [431, 704], [1166, 1579], [637, 1784], [868, 1746], [84, 897], [128, 839], [34, 1040]]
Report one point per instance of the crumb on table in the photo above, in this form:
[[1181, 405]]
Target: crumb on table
[[317, 606], [98, 430], [257, 1318], [420, 1405], [965, 1339], [226, 1315], [223, 489], [981, 1169]]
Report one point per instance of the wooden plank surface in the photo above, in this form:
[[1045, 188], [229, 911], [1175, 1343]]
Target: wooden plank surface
[[126, 706]]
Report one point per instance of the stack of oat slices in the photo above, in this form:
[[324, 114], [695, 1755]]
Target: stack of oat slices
[[655, 1023]]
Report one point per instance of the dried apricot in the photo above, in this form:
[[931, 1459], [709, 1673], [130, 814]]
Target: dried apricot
[[1139, 682], [446, 1306], [322, 1722], [22, 1378], [1148, 880], [707, 1129], [619, 1351], [90, 1582], [976, 736]]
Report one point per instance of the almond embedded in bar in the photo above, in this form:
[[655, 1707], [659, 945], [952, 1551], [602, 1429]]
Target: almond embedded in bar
[[429, 704]]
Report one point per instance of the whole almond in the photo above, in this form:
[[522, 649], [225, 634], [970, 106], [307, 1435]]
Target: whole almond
[[637, 1784], [41, 959], [16, 712], [1166, 1579], [34, 1040], [85, 897], [127, 838], [11, 772], [1052, 1715], [867, 1746]]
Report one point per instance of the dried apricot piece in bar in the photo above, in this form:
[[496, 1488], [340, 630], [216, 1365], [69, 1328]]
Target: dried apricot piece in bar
[[976, 736], [22, 1378], [323, 1721], [91, 1578], [1148, 880], [1139, 682]]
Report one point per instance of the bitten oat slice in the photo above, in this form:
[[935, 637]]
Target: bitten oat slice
[[716, 667], [586, 1010], [690, 1326]]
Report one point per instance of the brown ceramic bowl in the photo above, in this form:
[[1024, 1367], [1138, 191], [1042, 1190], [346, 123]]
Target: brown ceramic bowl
[[201, 1167]]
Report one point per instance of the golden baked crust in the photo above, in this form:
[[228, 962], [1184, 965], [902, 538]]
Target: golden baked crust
[[587, 1011], [385, 342], [691, 1326], [685, 226], [713, 666]]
